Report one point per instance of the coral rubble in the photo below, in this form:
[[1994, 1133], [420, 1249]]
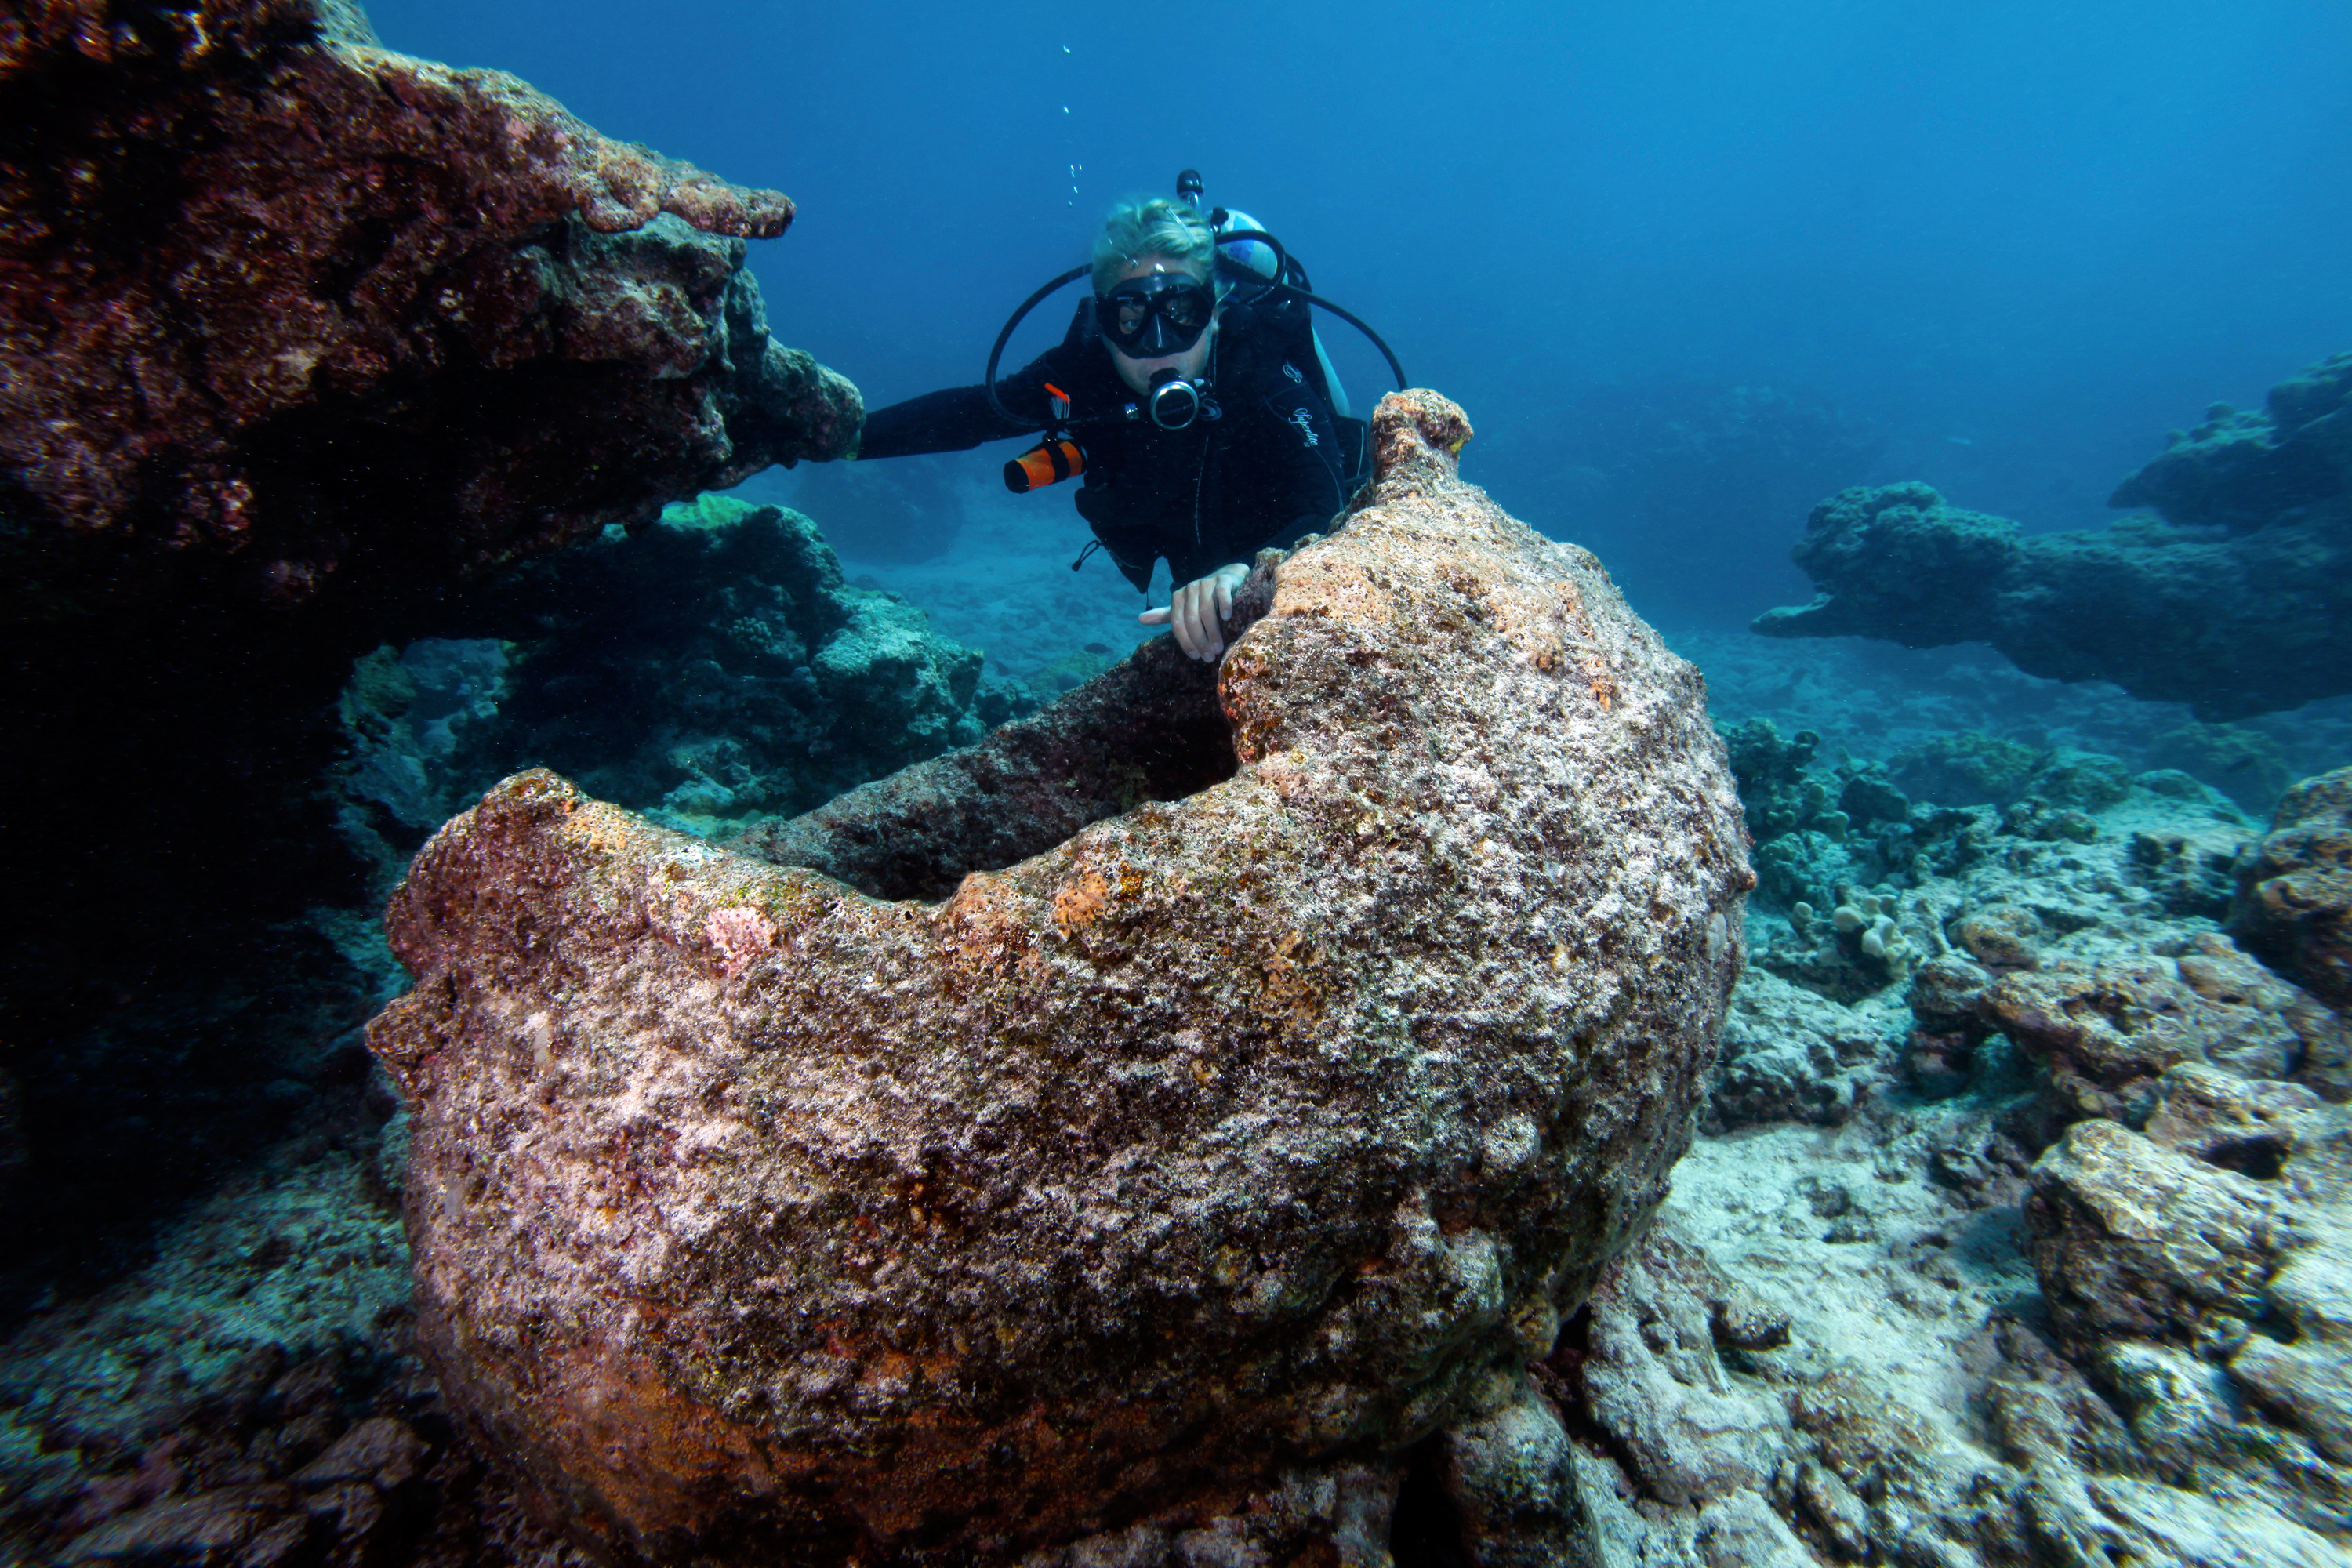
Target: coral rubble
[[2037, 1257], [2203, 1270], [2236, 598], [1164, 1183]]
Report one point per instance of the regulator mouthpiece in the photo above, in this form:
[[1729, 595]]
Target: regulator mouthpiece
[[1175, 402]]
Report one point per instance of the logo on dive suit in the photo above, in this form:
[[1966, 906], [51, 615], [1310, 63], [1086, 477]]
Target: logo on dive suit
[[1306, 423]]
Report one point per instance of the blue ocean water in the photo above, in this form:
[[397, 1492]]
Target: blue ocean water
[[2008, 244]]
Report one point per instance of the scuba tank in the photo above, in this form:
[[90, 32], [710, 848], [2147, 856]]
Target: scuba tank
[[1259, 260], [1246, 257]]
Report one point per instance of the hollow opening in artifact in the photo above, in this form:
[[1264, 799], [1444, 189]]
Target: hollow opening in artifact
[[2263, 1158], [1147, 729]]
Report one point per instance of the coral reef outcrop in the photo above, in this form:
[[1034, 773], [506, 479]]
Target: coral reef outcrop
[[2242, 470], [319, 317], [296, 334], [1164, 1183], [2236, 598]]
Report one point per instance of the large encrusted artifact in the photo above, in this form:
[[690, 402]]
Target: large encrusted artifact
[[1226, 1077]]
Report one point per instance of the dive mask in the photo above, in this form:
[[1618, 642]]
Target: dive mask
[[1150, 318]]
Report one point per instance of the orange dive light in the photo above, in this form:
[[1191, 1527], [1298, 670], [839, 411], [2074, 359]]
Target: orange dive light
[[1048, 462], [1051, 460]]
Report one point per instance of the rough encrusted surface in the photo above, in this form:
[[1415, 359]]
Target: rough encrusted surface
[[2204, 1268], [277, 295], [1790, 1055], [2107, 1032], [2294, 889], [1900, 1337], [1229, 1134], [2238, 599]]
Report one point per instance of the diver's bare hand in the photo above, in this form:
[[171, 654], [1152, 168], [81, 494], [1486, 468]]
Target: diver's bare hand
[[1198, 610]]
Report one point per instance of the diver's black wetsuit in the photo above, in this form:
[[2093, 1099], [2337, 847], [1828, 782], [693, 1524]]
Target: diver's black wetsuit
[[1268, 469]]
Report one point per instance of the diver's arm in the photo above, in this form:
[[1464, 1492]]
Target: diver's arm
[[959, 418], [1198, 611]]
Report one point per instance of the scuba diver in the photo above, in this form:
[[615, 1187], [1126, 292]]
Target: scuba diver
[[1190, 393]]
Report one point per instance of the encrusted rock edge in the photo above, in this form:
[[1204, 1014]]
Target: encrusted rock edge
[[290, 316]]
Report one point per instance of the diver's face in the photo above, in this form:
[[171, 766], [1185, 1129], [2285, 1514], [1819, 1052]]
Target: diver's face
[[1191, 363]]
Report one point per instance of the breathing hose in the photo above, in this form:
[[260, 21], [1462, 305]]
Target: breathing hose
[[996, 350]]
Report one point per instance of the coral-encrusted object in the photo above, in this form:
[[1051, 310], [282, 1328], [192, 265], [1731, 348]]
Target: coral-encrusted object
[[306, 310], [1260, 1114]]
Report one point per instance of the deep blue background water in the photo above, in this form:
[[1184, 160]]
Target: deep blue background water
[[2017, 239]]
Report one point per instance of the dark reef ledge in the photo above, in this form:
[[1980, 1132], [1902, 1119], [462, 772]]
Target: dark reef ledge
[[300, 340], [314, 319], [2235, 597]]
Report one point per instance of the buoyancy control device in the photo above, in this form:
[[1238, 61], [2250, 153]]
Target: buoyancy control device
[[1262, 275]]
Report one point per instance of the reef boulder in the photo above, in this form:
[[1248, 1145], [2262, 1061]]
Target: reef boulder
[[2205, 1268], [1257, 1109], [2294, 900], [2236, 598]]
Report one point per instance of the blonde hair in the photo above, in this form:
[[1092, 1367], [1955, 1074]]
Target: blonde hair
[[1174, 231]]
